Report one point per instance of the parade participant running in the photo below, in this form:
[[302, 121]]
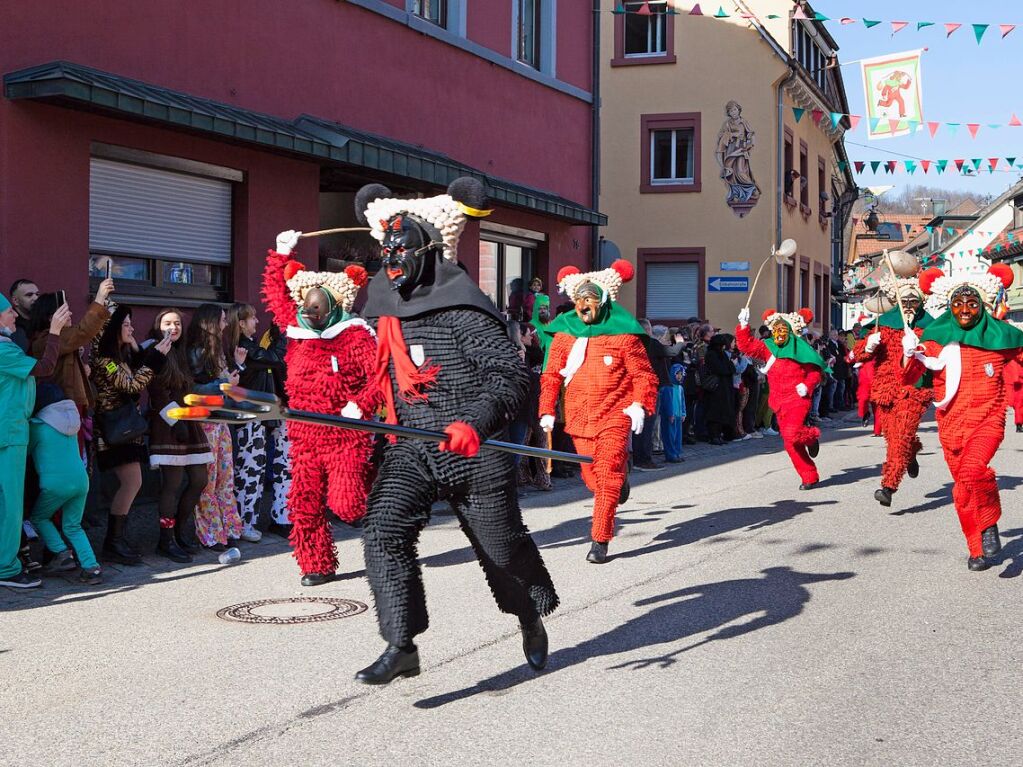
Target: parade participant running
[[330, 360], [610, 388], [446, 364], [967, 349], [793, 371], [898, 407]]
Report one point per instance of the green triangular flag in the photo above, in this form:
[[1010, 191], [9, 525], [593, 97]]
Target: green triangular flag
[[921, 24], [1011, 161], [979, 30], [868, 23], [619, 9], [874, 165], [798, 113], [836, 118], [942, 164], [842, 166], [913, 125], [910, 167], [721, 13], [773, 16], [820, 17], [976, 163]]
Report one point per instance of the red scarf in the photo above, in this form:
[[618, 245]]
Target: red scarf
[[412, 381]]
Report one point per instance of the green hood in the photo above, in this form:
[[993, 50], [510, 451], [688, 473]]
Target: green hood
[[613, 321], [796, 348], [893, 319], [989, 333]]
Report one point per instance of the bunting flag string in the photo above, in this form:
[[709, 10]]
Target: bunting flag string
[[932, 126], [972, 165], [683, 8]]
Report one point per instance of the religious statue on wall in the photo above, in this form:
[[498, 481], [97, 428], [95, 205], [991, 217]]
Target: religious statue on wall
[[735, 142]]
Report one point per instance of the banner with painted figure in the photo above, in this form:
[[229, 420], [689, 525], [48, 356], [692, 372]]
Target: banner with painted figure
[[893, 93]]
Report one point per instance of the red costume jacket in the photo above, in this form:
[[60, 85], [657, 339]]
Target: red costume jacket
[[783, 375], [887, 386]]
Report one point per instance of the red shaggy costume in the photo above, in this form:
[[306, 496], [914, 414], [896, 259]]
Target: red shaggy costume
[[330, 466], [614, 373], [790, 407], [971, 398], [1014, 388]]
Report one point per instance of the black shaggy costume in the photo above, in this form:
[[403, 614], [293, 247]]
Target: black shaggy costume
[[471, 373]]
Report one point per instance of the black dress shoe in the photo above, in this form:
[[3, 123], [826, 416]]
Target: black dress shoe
[[117, 550], [977, 564], [220, 548], [623, 494], [814, 448], [990, 541], [864, 422], [186, 546], [393, 663], [1019, 428], [534, 643], [598, 553], [883, 496], [913, 470], [808, 486], [317, 579], [281, 530]]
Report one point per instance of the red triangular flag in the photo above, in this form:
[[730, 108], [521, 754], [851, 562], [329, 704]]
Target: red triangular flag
[[696, 11], [1005, 29], [893, 164], [893, 125], [644, 10], [973, 128], [854, 120], [926, 165], [855, 221], [993, 162], [898, 26], [817, 116], [950, 28], [800, 14], [959, 165], [933, 128], [1015, 122], [860, 165]]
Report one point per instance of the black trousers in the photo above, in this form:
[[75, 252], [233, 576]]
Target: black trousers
[[487, 507]]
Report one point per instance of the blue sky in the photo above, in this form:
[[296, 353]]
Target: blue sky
[[962, 82]]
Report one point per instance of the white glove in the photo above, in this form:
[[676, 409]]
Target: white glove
[[547, 422], [910, 343], [801, 389], [744, 317], [286, 242], [873, 341], [635, 412], [351, 410]]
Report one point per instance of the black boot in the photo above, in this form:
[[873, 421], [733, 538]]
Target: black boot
[[598, 553], [990, 541], [808, 486], [394, 662], [116, 548], [623, 494], [977, 564], [913, 470], [168, 546], [814, 448], [282, 530], [884, 496], [185, 546], [1019, 428], [317, 579], [534, 643]]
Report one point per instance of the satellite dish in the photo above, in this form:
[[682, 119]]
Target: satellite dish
[[609, 253]]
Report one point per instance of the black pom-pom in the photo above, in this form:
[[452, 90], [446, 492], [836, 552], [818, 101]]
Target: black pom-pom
[[469, 191], [365, 196]]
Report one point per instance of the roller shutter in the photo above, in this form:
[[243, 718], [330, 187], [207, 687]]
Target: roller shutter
[[672, 291]]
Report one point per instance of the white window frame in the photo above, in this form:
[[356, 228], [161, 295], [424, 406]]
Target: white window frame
[[656, 34], [674, 181]]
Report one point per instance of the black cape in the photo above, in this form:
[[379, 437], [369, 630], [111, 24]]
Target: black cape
[[444, 285]]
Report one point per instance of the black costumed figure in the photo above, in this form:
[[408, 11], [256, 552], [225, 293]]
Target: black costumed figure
[[445, 363]]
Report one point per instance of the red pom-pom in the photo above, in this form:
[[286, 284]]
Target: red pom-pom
[[927, 278], [766, 314], [292, 268], [357, 274], [806, 314], [567, 271], [625, 270], [1002, 272]]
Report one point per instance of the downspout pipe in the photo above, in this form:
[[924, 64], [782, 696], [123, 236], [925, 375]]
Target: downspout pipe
[[780, 202], [595, 137]]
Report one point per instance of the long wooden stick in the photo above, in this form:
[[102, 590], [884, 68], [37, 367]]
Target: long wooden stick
[[898, 297], [756, 279], [322, 232]]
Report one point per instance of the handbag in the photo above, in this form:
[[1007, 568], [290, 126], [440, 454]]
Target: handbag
[[122, 425]]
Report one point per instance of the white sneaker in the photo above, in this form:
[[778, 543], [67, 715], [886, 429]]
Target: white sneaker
[[769, 432], [252, 535], [745, 437], [755, 435]]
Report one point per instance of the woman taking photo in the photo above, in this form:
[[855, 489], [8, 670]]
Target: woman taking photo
[[259, 368], [217, 520], [179, 449], [120, 374]]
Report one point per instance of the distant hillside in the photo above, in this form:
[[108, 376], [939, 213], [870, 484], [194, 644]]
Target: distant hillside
[[915, 199]]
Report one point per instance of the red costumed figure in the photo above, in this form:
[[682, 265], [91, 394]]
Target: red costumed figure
[[331, 364], [898, 406], [967, 350], [1014, 387], [610, 388], [793, 371]]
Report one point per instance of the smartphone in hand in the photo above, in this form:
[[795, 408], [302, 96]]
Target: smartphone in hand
[[61, 298]]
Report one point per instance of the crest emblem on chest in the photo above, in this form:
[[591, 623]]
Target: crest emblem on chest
[[418, 354], [989, 370], [608, 360]]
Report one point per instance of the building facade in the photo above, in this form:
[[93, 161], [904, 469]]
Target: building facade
[[704, 165], [172, 145]]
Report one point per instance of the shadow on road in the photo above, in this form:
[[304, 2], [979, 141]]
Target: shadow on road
[[758, 603], [943, 496], [1012, 553]]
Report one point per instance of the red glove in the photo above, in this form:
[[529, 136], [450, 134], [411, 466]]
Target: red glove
[[462, 440]]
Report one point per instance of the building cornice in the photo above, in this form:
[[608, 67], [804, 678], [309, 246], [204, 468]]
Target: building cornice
[[807, 97]]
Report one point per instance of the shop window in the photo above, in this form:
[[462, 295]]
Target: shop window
[[434, 11], [644, 34], [670, 153], [527, 32], [162, 235], [506, 268]]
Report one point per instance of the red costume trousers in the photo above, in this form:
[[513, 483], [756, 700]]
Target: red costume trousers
[[605, 476], [899, 423], [796, 435], [975, 492], [330, 468]]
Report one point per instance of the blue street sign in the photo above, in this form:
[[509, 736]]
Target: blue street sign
[[735, 266], [728, 284]]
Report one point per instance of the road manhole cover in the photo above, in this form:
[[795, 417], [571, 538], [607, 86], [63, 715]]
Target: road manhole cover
[[292, 610]]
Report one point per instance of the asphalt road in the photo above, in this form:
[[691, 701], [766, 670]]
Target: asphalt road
[[740, 622]]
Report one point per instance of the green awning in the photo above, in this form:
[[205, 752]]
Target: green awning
[[313, 138]]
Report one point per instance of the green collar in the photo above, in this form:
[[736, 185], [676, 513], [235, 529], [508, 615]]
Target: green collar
[[797, 349], [989, 333], [614, 320], [336, 315], [893, 319]]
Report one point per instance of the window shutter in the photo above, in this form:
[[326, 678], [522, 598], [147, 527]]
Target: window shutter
[[672, 291], [135, 210]]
